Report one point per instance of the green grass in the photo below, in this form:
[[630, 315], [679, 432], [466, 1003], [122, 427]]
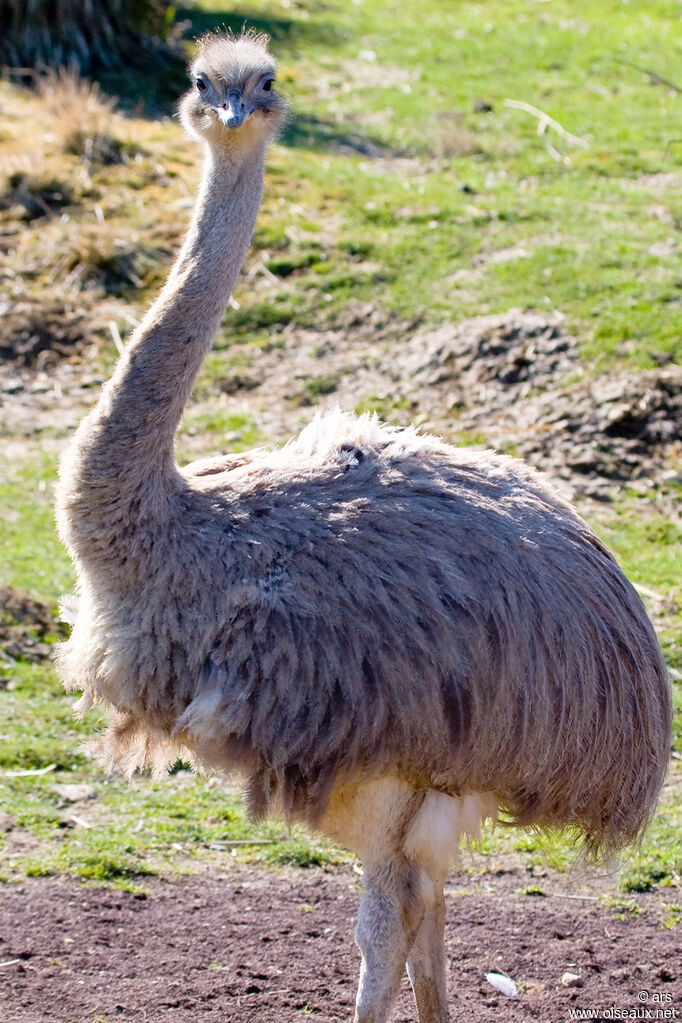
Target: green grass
[[388, 187], [649, 547], [125, 831], [235, 432], [590, 224], [624, 907], [32, 558], [388, 184]]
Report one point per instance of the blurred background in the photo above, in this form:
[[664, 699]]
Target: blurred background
[[472, 221]]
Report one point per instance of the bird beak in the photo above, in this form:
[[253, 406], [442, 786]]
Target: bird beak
[[233, 111]]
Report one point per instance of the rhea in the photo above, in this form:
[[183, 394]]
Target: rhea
[[388, 638]]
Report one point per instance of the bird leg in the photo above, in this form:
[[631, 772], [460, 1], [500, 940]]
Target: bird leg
[[426, 963], [391, 911]]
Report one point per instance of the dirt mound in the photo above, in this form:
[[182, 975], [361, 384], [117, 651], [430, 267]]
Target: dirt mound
[[25, 626], [515, 380], [490, 361], [259, 948], [594, 434], [613, 429], [35, 337]]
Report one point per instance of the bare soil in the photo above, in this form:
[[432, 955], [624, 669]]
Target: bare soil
[[25, 624], [512, 381], [253, 947]]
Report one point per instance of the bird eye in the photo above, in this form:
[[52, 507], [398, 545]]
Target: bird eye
[[201, 84], [268, 84]]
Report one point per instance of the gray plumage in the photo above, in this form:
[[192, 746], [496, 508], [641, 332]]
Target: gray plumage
[[372, 600], [386, 636]]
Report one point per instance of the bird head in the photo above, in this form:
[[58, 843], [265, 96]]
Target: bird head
[[233, 94]]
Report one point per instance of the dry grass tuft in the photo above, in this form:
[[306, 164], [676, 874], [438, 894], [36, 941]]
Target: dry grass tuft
[[62, 288], [98, 258], [83, 120], [81, 247], [30, 196], [72, 256], [39, 330]]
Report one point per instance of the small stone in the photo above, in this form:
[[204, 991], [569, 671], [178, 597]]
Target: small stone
[[569, 979], [75, 793]]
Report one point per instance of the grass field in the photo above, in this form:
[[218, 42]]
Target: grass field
[[411, 178]]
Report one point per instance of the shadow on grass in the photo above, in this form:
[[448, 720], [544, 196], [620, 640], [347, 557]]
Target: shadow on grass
[[153, 87], [153, 84], [286, 33], [307, 131]]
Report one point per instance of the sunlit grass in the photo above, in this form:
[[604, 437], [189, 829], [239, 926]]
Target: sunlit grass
[[32, 558]]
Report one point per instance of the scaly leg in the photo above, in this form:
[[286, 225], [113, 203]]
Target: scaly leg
[[391, 911], [426, 964]]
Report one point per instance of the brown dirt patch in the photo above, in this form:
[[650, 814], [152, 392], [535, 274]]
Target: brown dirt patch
[[512, 381], [603, 432], [33, 401], [38, 335], [260, 948], [516, 380], [25, 625]]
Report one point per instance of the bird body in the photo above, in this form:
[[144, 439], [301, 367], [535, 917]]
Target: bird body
[[369, 599], [389, 638]]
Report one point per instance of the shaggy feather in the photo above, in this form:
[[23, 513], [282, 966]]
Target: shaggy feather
[[365, 603], [432, 612]]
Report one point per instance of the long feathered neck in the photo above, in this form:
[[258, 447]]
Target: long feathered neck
[[121, 463]]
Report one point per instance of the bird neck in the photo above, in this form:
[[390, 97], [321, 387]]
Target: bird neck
[[122, 456], [154, 378]]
